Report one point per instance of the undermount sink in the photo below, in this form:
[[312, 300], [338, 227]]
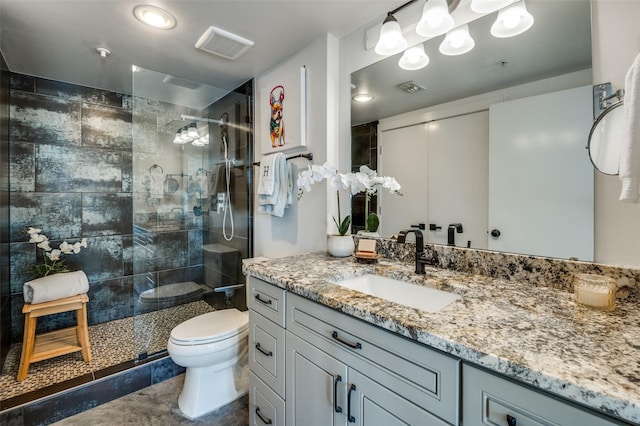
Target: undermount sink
[[416, 296]]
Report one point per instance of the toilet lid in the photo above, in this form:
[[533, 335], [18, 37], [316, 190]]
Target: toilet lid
[[211, 327]]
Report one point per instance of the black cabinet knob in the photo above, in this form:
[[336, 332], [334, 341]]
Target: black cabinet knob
[[495, 233]]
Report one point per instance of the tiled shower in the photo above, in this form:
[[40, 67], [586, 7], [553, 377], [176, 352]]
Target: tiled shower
[[80, 162]]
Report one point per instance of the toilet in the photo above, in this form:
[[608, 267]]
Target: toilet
[[213, 349]]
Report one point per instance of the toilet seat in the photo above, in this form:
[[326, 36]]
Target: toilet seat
[[211, 327]]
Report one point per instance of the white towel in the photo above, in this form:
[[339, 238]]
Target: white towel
[[203, 181], [268, 166], [630, 154], [276, 203], [56, 286], [156, 188]]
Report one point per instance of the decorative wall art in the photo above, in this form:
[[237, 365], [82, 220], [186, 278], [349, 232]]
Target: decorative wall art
[[282, 116]]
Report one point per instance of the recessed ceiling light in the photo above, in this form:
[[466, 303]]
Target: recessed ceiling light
[[154, 16], [363, 97]]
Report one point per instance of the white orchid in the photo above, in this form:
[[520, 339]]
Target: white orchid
[[365, 180], [52, 257]]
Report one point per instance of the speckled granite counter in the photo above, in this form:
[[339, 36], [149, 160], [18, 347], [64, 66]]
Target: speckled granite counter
[[534, 334]]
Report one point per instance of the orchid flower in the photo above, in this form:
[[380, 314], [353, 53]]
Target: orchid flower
[[53, 262]]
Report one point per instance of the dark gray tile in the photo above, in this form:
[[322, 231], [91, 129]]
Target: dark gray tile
[[22, 164], [58, 89], [170, 249], [102, 97], [165, 369], [106, 214], [106, 127], [12, 417], [127, 171], [127, 255], [22, 82], [110, 300], [67, 169], [82, 399], [23, 257], [57, 214], [44, 119], [195, 247], [102, 259]]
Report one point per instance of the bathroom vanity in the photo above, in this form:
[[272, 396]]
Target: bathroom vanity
[[503, 353]]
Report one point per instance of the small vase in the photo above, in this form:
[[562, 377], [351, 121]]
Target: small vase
[[340, 245]]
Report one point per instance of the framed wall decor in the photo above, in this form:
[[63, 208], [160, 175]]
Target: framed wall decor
[[282, 110]]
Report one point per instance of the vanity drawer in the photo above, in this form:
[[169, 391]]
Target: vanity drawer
[[423, 376], [267, 299], [491, 400], [267, 351], [265, 407]]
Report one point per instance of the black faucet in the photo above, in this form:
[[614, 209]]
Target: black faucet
[[451, 236], [421, 259]]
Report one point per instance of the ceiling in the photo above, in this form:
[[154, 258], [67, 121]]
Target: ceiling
[[57, 39], [559, 42]]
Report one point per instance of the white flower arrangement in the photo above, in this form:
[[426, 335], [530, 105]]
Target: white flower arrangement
[[366, 180], [53, 263]]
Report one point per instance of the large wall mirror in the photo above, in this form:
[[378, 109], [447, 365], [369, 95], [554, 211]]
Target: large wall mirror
[[507, 100]]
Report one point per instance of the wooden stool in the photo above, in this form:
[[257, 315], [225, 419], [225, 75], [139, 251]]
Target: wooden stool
[[57, 342]]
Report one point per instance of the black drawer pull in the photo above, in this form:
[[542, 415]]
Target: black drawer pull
[[511, 421], [261, 300], [263, 351], [267, 421], [349, 416], [356, 345], [336, 408]]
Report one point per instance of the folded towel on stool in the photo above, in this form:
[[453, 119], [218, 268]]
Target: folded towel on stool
[[57, 286]]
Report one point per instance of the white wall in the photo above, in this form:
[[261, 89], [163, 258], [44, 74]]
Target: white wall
[[304, 225], [616, 42]]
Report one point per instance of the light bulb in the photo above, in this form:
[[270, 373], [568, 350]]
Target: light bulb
[[414, 58], [193, 131], [391, 40]]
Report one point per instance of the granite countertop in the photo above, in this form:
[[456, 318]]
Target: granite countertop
[[535, 334]]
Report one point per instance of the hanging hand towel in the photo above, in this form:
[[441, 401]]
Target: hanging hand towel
[[57, 286], [630, 153], [268, 170], [276, 203], [156, 188]]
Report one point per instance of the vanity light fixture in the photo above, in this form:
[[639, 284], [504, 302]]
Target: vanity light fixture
[[414, 58], [391, 40], [457, 41], [192, 131], [488, 6], [435, 19], [512, 20], [363, 97], [154, 16]]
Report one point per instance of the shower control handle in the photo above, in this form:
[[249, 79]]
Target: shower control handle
[[261, 300], [265, 421], [263, 351]]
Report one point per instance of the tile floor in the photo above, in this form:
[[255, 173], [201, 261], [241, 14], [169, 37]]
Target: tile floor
[[111, 343], [157, 405]]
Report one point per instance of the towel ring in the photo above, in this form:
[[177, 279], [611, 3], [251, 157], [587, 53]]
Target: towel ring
[[155, 166], [605, 138]]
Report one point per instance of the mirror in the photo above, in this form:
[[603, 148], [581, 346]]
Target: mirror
[[604, 140], [557, 47]]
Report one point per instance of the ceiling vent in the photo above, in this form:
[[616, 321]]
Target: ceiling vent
[[223, 43], [411, 87], [182, 82]]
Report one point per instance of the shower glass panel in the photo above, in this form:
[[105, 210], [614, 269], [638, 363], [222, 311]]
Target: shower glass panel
[[191, 166]]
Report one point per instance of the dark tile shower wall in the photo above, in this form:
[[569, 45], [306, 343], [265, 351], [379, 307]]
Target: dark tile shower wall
[[70, 162], [5, 287]]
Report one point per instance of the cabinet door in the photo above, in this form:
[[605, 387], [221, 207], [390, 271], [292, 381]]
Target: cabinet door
[[371, 404], [315, 386]]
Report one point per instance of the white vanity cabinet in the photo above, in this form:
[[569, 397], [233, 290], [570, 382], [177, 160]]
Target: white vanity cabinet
[[266, 353], [342, 371], [488, 399]]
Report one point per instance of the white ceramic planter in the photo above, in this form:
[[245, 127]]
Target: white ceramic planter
[[340, 245]]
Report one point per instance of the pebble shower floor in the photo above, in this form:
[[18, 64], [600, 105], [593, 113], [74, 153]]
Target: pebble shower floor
[[112, 343]]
